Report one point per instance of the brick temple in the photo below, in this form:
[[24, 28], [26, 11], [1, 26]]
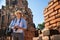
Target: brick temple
[[52, 14], [7, 14], [52, 21]]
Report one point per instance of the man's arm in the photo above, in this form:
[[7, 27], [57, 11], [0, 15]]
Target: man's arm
[[11, 24], [18, 27]]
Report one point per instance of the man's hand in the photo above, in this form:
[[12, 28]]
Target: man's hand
[[15, 27]]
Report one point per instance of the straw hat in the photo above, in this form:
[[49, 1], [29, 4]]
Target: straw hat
[[18, 11]]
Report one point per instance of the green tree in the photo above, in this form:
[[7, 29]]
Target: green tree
[[41, 26]]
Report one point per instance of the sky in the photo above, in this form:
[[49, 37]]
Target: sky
[[2, 2], [37, 7]]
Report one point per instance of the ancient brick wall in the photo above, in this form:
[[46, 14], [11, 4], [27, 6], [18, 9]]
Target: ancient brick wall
[[8, 12], [52, 20], [52, 14]]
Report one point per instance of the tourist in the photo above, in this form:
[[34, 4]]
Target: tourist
[[19, 25]]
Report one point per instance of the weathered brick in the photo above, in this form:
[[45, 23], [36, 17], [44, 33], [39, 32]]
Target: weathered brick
[[50, 26], [57, 7], [55, 37], [50, 4], [49, 12], [59, 10], [54, 25], [58, 19], [46, 17], [55, 4], [45, 38], [47, 24], [40, 38], [35, 38], [58, 24], [58, 15], [45, 32], [52, 14], [55, 0], [45, 10], [55, 20], [51, 18]]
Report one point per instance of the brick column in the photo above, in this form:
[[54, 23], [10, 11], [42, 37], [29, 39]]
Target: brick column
[[52, 14]]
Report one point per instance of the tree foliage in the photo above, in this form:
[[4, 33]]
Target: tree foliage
[[41, 26]]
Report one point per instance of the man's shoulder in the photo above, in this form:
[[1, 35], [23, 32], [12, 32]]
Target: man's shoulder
[[23, 19]]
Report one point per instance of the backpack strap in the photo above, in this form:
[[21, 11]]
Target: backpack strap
[[20, 20]]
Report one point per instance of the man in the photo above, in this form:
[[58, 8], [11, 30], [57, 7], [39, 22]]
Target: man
[[18, 24]]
